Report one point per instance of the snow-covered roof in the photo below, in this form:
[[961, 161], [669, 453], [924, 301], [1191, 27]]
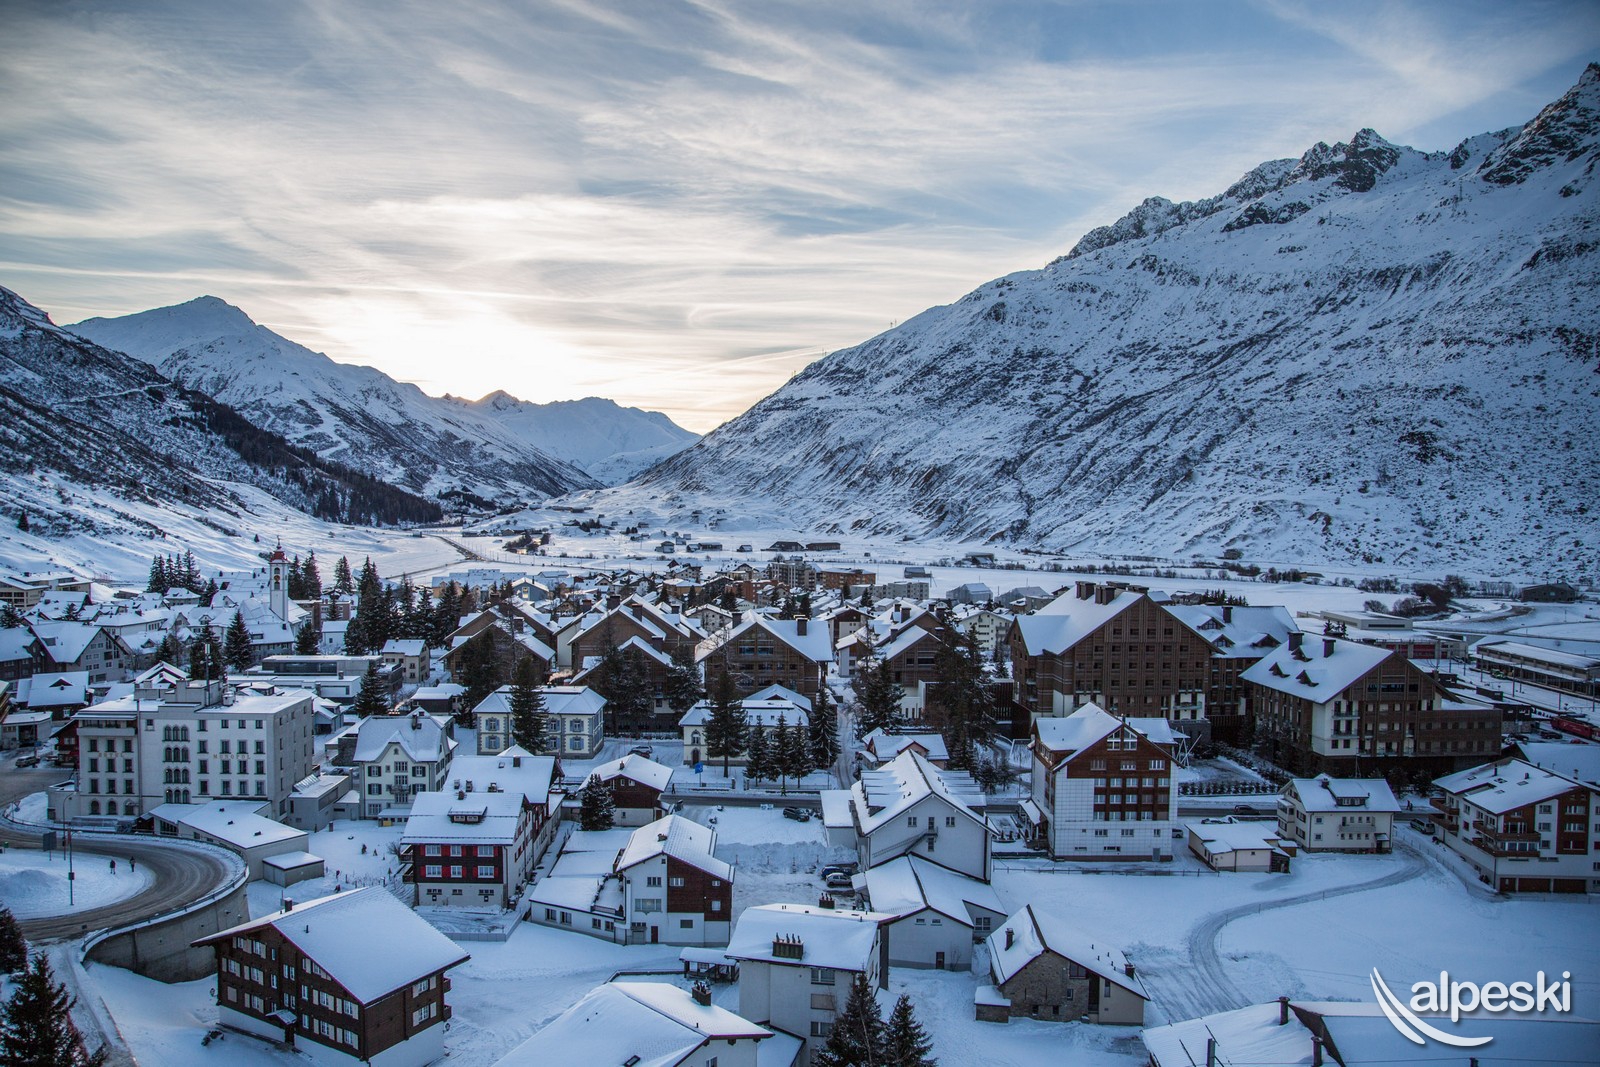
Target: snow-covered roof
[[1237, 632], [54, 690], [1091, 724], [1581, 763], [1031, 933], [1506, 785], [1323, 794], [765, 713], [480, 818], [886, 746], [1539, 653], [572, 700], [1319, 670], [233, 821], [291, 861], [816, 644], [516, 770], [397, 646], [842, 940], [420, 737], [682, 839], [836, 809], [1066, 620], [338, 932], [65, 642], [1226, 835], [646, 1024], [782, 692], [911, 884], [884, 793], [635, 767], [16, 643]]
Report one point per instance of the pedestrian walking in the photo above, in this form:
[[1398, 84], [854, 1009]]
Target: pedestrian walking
[[132, 866], [113, 866]]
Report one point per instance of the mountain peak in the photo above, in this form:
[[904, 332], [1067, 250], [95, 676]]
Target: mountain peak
[[1564, 132]]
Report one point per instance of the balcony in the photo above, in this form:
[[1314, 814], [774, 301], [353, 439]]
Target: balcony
[[1502, 849], [1493, 833]]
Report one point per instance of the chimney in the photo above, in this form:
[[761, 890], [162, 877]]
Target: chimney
[[1011, 937], [637, 608], [1104, 594], [825, 901], [1316, 1051], [1295, 637], [1227, 613], [288, 905], [1085, 590], [1327, 647], [800, 625], [788, 947], [612, 600], [1127, 969], [701, 994], [1283, 1011]]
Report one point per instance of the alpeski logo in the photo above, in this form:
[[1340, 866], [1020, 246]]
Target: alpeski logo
[[1457, 997]]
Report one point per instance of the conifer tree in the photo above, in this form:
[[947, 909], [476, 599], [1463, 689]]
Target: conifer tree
[[528, 709], [758, 761], [216, 655], [200, 654], [342, 580], [209, 593], [297, 582], [158, 576], [13, 946], [824, 737], [878, 696], [36, 1028], [596, 808], [681, 686], [312, 577], [373, 697], [791, 752], [22, 522], [10, 617], [905, 1042], [726, 728], [857, 1037], [307, 639], [237, 647], [730, 601]]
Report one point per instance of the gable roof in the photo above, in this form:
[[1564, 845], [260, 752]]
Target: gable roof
[[884, 793], [842, 940], [886, 746], [646, 1024], [1507, 784], [1066, 620], [816, 644], [1237, 632], [419, 736], [477, 818], [1314, 672], [680, 838], [338, 932], [1034, 933], [911, 884], [1323, 794], [513, 770], [636, 768]]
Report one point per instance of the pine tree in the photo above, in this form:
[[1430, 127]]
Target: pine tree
[[13, 946], [905, 1042], [216, 655], [191, 573], [596, 809], [878, 695], [960, 693], [312, 577], [158, 576], [857, 1037], [297, 581], [342, 581], [791, 752], [36, 1028], [200, 653], [758, 761], [681, 686], [307, 639], [726, 728], [170, 649], [527, 709], [824, 738], [10, 617], [730, 601], [373, 698], [239, 651], [22, 522]]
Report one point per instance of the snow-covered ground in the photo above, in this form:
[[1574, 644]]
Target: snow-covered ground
[[34, 884], [346, 865]]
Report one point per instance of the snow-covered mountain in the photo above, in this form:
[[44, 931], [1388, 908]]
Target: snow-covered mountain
[[1367, 353], [611, 442], [96, 442], [356, 415]]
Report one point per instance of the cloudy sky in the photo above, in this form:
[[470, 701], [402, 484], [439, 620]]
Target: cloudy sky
[[673, 204]]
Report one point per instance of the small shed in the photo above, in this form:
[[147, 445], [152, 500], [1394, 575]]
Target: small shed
[[291, 867]]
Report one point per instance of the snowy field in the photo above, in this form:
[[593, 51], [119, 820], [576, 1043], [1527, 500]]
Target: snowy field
[[34, 884], [346, 865]]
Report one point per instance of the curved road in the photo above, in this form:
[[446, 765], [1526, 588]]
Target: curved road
[[1209, 989], [179, 875]]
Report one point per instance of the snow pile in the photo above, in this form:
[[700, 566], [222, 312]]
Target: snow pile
[[33, 884]]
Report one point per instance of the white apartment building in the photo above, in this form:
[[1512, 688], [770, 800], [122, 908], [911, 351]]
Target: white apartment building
[[1324, 814]]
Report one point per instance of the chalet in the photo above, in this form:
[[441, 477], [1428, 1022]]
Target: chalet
[[761, 651], [1345, 708], [353, 977], [880, 746], [910, 807], [654, 1023], [80, 646], [574, 721], [797, 963], [471, 849], [396, 757], [636, 785], [938, 913], [1110, 645], [1324, 814], [1042, 968], [21, 654], [1523, 828], [1104, 786]]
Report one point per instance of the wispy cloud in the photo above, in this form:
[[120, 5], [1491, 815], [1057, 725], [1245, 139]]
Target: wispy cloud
[[676, 204]]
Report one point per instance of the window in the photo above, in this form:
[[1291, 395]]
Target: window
[[485, 871], [653, 881], [822, 976], [949, 820], [430, 850], [455, 872], [686, 924], [486, 850], [911, 820], [675, 882], [821, 1029]]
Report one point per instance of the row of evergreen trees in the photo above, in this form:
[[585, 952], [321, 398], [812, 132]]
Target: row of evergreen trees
[[861, 1037], [36, 1027], [783, 752], [180, 572]]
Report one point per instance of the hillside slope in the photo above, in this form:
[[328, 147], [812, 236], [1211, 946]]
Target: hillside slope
[[1370, 353]]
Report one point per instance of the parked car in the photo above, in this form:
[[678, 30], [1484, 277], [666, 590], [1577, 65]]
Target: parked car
[[1245, 809], [846, 869], [797, 814], [642, 750], [838, 880], [28, 761]]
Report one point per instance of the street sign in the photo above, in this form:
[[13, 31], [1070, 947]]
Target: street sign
[[47, 840]]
